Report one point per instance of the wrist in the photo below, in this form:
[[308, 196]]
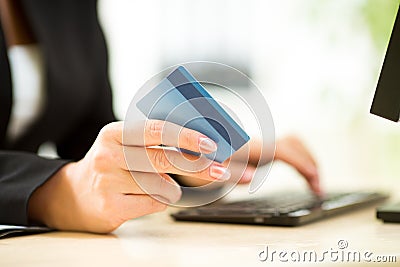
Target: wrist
[[48, 201]]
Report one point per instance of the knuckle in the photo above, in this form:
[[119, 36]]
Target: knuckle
[[100, 159], [103, 157], [105, 131], [110, 130], [190, 138], [161, 160], [154, 128]]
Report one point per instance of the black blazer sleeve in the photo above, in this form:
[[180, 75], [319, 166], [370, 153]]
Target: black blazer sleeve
[[21, 174], [79, 99]]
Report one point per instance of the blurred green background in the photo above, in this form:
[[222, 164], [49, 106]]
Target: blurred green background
[[379, 18]]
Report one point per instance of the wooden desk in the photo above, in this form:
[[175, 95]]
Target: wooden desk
[[157, 240]]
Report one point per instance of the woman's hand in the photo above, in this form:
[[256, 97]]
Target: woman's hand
[[289, 149], [98, 193], [292, 151]]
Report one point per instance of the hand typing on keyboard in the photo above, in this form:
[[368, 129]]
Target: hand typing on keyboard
[[292, 151]]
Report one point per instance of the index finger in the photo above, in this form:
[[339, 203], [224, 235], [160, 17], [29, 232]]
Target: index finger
[[157, 132]]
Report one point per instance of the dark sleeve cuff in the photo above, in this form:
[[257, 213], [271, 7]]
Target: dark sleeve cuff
[[20, 175]]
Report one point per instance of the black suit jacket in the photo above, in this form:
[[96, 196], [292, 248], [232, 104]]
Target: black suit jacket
[[78, 99]]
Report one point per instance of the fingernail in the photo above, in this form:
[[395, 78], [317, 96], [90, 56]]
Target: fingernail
[[247, 176], [207, 145], [219, 172]]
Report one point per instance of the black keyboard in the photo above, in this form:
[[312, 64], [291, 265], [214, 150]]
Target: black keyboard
[[283, 209]]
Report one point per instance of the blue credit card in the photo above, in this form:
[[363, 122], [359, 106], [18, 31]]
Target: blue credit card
[[181, 99]]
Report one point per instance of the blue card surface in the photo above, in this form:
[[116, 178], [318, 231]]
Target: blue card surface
[[181, 99]]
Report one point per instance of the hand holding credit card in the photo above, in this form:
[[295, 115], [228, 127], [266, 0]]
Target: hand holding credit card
[[181, 99]]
